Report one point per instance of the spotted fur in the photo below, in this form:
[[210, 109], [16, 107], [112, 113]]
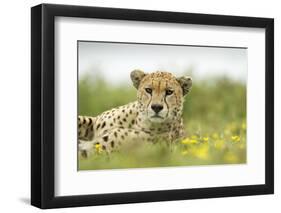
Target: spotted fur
[[157, 114]]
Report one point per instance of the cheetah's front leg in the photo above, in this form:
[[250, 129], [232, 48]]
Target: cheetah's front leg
[[112, 140]]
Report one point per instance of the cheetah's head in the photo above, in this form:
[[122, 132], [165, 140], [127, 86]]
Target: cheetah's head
[[160, 94]]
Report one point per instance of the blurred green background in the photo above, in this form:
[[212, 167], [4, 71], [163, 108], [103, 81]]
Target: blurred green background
[[214, 116]]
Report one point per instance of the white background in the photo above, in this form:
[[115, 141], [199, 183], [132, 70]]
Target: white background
[[15, 106]]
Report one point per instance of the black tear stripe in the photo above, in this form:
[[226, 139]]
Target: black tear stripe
[[159, 83], [149, 101], [168, 109], [150, 95]]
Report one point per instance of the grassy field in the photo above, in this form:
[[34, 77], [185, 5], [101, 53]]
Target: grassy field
[[214, 116]]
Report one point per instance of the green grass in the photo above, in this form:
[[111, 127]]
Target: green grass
[[214, 116]]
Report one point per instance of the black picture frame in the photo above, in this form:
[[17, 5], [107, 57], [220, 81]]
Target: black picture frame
[[43, 102]]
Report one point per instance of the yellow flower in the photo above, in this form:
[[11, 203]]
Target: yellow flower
[[189, 141], [98, 148], [201, 152], [205, 139], [193, 141], [194, 136], [185, 141], [235, 138]]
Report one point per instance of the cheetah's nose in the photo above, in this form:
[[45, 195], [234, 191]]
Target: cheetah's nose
[[156, 107]]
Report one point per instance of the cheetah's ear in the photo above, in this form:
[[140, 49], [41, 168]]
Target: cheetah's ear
[[185, 83], [137, 76]]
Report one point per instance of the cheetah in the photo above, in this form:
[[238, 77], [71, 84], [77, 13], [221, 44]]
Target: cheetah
[[155, 116]]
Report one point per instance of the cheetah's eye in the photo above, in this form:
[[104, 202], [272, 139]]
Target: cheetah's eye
[[169, 92], [148, 90]]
